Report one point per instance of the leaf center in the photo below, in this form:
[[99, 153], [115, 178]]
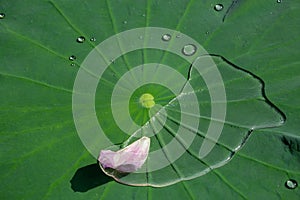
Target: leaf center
[[147, 100]]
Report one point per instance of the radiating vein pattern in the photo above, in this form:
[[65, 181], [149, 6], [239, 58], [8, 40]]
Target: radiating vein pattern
[[198, 111]]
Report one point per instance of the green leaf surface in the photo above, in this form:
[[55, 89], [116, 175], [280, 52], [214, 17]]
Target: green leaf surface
[[42, 156]]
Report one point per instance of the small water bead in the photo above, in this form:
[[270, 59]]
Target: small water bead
[[178, 36], [2, 15], [141, 37], [72, 58], [125, 22], [189, 49], [291, 184], [72, 64], [166, 37], [93, 39], [80, 39], [279, 1], [218, 7], [144, 15]]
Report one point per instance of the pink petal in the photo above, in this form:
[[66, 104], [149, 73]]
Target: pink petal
[[129, 159]]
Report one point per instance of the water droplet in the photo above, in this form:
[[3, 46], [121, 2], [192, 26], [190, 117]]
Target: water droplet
[[166, 37], [218, 7], [80, 39], [278, 1], [189, 49], [72, 64], [93, 39], [125, 22], [2, 15], [178, 36], [291, 184], [144, 15], [206, 32], [140, 37], [112, 61], [72, 58]]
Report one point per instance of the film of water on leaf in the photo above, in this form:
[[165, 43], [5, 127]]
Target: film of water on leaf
[[198, 111]]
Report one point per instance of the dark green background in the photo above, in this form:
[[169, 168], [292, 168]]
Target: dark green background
[[40, 150]]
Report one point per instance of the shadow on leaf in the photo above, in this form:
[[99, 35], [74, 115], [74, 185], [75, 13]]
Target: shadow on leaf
[[88, 177]]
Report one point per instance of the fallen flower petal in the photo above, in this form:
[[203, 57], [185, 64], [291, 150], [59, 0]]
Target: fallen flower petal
[[129, 159]]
